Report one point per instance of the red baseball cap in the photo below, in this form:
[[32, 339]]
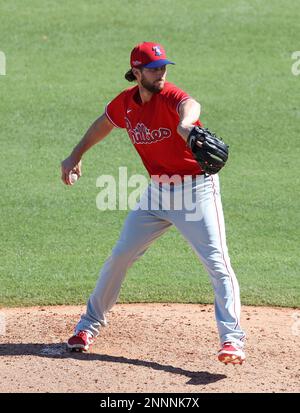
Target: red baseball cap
[[150, 55]]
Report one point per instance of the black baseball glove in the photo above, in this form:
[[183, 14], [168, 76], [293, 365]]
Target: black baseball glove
[[213, 152]]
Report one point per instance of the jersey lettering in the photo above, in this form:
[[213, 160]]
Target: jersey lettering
[[143, 135]]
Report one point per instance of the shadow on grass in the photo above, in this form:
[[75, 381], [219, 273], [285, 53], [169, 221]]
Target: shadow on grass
[[59, 351]]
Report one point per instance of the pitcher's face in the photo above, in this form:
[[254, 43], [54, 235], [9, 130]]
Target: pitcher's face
[[152, 80]]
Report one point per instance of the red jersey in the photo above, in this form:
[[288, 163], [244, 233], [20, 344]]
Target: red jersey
[[152, 128]]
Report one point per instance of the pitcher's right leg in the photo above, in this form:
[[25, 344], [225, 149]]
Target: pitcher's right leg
[[141, 228]]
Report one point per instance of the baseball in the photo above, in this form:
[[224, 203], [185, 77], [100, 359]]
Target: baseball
[[73, 178]]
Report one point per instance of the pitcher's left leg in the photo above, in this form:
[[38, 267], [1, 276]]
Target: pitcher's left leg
[[207, 237]]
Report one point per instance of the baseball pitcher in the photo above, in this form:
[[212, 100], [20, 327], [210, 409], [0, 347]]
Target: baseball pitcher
[[162, 122]]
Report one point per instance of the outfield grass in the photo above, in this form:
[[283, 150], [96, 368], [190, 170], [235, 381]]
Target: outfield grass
[[65, 61]]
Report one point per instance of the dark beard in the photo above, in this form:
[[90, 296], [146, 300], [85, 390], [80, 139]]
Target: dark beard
[[150, 87]]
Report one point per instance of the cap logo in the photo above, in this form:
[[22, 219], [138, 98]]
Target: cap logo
[[136, 63], [157, 50]]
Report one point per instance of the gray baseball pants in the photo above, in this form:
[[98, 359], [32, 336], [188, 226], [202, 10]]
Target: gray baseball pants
[[195, 209]]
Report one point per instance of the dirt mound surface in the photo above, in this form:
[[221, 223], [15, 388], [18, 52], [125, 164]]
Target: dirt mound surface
[[147, 348]]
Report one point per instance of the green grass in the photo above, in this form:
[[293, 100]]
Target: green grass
[[65, 61]]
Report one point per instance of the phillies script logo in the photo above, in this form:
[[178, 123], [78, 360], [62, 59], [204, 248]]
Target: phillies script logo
[[141, 134]]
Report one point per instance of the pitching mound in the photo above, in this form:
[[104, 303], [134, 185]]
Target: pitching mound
[[147, 348]]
